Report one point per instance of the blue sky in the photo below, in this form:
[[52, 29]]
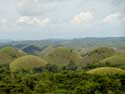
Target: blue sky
[[43, 19]]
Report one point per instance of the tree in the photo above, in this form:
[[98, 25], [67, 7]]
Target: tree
[[71, 66]]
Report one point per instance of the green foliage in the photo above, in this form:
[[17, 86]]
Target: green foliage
[[87, 87], [63, 74], [52, 68], [27, 63], [63, 82], [70, 66], [44, 86]]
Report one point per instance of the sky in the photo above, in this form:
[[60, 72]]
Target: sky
[[64, 19]]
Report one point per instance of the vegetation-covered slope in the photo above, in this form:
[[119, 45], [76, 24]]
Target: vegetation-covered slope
[[62, 56], [8, 54], [97, 54], [62, 82], [27, 62]]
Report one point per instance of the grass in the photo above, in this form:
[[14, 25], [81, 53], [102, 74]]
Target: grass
[[117, 60], [27, 62], [62, 56], [8, 54]]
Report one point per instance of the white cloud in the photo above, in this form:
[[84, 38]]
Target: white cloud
[[33, 21], [83, 17], [114, 17]]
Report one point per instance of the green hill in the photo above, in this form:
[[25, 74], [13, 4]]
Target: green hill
[[115, 60], [106, 71], [62, 56], [27, 62], [8, 54], [97, 54]]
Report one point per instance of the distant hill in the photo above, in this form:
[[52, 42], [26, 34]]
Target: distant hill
[[114, 42], [5, 40], [31, 49]]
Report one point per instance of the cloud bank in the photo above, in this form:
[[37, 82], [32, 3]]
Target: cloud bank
[[62, 18]]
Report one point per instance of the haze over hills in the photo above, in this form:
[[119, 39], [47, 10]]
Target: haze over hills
[[115, 42], [5, 40]]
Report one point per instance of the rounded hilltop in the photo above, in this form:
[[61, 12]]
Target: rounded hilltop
[[106, 71], [62, 56], [8, 54], [27, 62]]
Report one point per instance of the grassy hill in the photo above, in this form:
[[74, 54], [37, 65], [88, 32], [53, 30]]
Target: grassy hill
[[61, 56], [117, 60], [27, 62], [97, 54], [106, 71], [8, 54]]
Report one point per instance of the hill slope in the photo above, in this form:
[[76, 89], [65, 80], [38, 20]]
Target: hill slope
[[107, 71], [8, 54], [97, 54], [62, 56], [117, 60]]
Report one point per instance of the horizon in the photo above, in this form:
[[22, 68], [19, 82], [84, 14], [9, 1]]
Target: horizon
[[64, 38]]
